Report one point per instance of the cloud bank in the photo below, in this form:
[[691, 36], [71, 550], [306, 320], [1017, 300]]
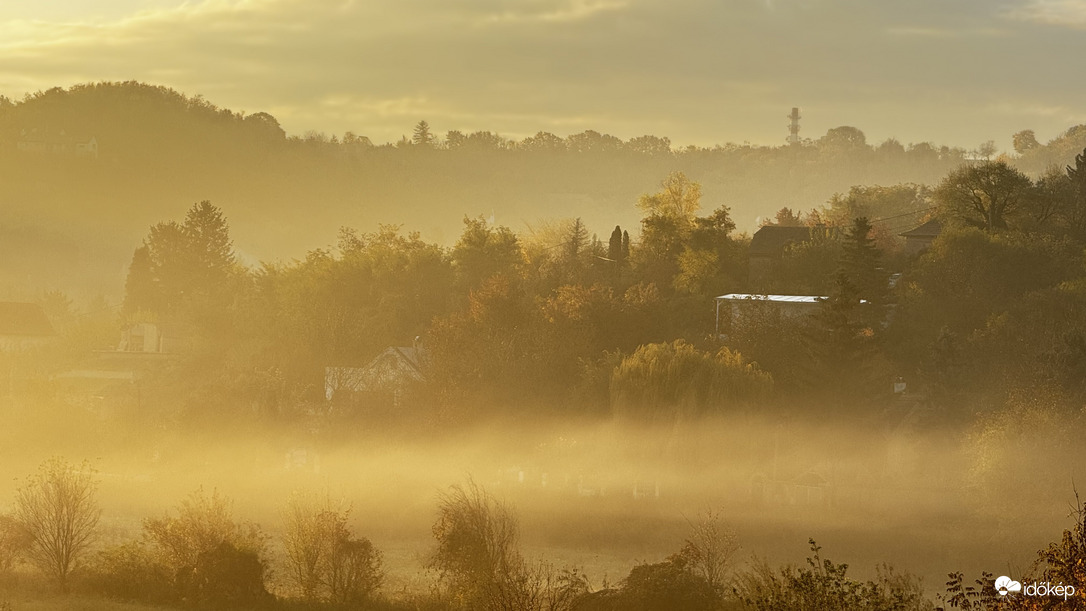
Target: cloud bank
[[699, 71]]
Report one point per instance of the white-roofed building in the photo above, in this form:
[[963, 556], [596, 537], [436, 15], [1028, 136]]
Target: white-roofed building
[[735, 309]]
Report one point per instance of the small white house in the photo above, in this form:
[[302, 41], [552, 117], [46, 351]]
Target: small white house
[[146, 337]]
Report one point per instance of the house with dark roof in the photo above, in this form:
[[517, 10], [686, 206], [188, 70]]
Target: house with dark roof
[[920, 238], [390, 374], [23, 325], [768, 244]]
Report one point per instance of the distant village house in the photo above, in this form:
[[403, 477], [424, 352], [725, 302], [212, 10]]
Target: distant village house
[[147, 337], [767, 245], [920, 238], [390, 373], [23, 325], [57, 143], [108, 379]]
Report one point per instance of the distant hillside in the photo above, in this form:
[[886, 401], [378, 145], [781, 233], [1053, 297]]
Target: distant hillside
[[71, 221]]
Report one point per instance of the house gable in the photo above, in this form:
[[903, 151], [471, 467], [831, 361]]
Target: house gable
[[771, 240]]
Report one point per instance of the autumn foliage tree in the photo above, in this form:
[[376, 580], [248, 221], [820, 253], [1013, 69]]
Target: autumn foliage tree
[[987, 195], [669, 382]]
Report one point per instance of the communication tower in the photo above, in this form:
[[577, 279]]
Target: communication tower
[[793, 127]]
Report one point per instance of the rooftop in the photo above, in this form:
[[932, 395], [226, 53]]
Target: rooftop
[[771, 239], [929, 229], [775, 298], [24, 319]]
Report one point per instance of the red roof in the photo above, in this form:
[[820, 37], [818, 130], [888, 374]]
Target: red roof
[[25, 319]]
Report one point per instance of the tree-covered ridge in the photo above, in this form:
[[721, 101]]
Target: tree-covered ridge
[[159, 150]]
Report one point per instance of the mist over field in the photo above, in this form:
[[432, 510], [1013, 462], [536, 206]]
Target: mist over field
[[481, 306], [907, 500]]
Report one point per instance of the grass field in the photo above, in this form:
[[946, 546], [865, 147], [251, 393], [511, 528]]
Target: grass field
[[30, 601]]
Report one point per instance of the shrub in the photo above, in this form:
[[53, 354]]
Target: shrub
[[354, 568], [476, 553], [202, 524], [1063, 562], [480, 566], [225, 577], [667, 585], [825, 586], [325, 559], [131, 572], [215, 559]]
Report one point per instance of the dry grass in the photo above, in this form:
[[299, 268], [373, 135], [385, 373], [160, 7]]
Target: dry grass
[[24, 601]]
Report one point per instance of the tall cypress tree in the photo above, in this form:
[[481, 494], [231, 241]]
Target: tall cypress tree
[[140, 292], [614, 245]]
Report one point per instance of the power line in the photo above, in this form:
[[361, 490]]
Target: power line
[[899, 227], [897, 216]]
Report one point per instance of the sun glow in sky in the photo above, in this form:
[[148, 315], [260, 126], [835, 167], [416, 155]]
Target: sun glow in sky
[[702, 72]]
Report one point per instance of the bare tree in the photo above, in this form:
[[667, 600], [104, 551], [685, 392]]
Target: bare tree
[[57, 509], [709, 549], [304, 539]]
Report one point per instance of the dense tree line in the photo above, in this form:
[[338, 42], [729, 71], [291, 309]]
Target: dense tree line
[[556, 321], [67, 221]]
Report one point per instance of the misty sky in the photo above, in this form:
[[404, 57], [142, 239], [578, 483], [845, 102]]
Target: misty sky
[[699, 71]]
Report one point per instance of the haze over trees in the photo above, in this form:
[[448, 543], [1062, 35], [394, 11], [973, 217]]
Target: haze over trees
[[582, 359], [159, 150], [558, 318]]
